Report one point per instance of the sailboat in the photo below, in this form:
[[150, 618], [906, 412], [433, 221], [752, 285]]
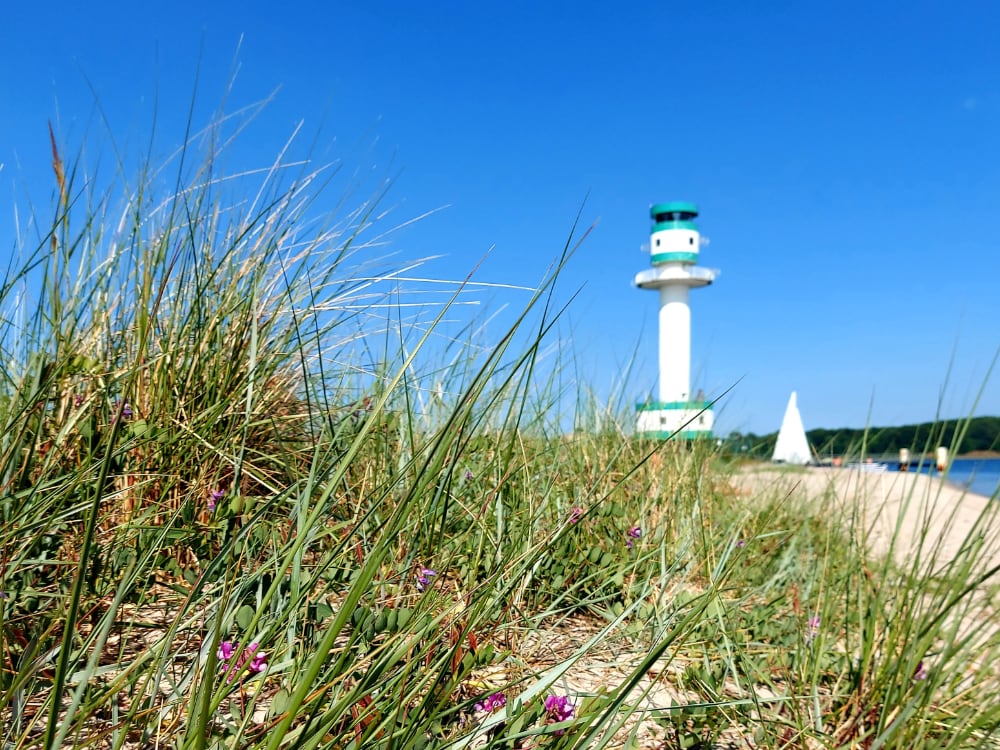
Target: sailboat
[[792, 446]]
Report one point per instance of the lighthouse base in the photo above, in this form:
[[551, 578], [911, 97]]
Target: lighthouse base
[[661, 420]]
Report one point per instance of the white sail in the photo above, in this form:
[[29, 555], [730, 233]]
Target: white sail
[[792, 446]]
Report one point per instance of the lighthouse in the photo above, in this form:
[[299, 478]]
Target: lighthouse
[[673, 253]]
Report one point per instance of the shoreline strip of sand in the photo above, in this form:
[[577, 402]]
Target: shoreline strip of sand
[[926, 510]]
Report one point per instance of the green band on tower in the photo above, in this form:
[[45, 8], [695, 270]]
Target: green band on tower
[[658, 258], [663, 226]]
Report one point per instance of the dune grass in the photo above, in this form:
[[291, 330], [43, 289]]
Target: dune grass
[[244, 508]]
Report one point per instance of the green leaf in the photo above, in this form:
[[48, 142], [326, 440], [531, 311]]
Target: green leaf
[[323, 611], [244, 616], [279, 702], [403, 617], [138, 428]]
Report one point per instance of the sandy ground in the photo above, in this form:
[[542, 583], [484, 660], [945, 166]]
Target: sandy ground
[[920, 512]]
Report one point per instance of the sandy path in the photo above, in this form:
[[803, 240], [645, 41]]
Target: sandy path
[[919, 509]]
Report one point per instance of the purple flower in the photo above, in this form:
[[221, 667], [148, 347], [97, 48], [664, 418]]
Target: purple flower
[[491, 703], [558, 708], [214, 497], [468, 475], [424, 578], [126, 411], [575, 514], [259, 661], [814, 623], [634, 533], [920, 673], [256, 662], [740, 543]]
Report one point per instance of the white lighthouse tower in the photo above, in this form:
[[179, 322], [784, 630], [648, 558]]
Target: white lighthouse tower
[[673, 248]]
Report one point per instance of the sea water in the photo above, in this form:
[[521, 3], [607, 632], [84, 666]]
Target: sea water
[[979, 475]]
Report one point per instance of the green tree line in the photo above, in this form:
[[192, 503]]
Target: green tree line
[[959, 435]]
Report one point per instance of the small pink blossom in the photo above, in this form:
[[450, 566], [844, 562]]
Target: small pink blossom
[[249, 657], [214, 497], [424, 578], [491, 703], [124, 408], [634, 533], [558, 708], [259, 662], [814, 623], [575, 514]]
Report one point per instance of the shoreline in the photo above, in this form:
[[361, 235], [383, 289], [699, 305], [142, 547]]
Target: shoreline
[[979, 455]]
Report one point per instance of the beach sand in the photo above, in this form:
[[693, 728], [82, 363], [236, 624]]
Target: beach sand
[[921, 513]]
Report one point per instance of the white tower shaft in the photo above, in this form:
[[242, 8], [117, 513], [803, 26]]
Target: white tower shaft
[[675, 343]]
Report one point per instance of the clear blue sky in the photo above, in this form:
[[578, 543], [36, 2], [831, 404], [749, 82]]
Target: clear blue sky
[[845, 158]]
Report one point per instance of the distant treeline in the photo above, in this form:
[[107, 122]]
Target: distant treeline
[[977, 434]]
